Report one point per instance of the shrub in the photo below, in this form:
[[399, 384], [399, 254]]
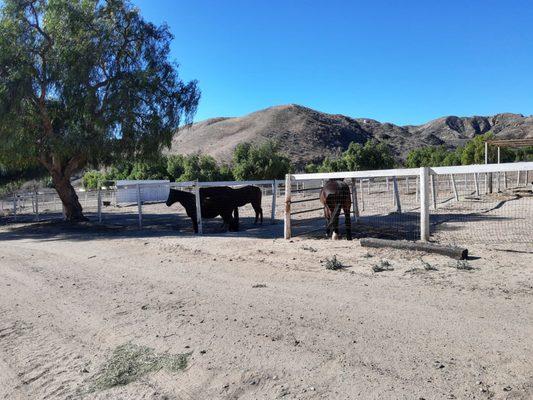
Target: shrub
[[383, 265], [93, 179], [259, 162], [333, 263]]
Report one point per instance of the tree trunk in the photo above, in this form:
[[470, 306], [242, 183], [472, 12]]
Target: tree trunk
[[69, 198]]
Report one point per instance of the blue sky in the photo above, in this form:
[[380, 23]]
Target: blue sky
[[401, 61]]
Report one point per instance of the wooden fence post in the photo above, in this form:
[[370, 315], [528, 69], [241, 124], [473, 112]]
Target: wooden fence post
[[198, 208], [15, 206], [424, 204], [287, 226], [354, 201], [273, 210]]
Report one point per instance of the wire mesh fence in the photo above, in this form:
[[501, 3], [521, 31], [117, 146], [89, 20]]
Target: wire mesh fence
[[487, 204], [490, 204], [384, 207], [487, 208]]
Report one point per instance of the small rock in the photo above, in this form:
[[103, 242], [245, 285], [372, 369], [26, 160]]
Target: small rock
[[507, 389], [85, 370], [203, 351], [144, 307]]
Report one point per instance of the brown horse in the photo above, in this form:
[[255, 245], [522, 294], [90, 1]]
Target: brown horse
[[336, 195]]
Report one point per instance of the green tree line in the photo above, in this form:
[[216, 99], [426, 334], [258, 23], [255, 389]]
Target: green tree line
[[249, 162]]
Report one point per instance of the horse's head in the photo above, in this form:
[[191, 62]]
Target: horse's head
[[173, 197]]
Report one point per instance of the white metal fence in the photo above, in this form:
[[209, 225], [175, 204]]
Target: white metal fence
[[485, 203]]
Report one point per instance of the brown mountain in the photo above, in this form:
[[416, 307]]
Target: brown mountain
[[307, 135]]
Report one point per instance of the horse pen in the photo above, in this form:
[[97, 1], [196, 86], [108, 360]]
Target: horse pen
[[135, 305]]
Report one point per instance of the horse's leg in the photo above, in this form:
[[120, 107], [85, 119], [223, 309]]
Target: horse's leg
[[236, 218], [194, 224], [327, 218], [348, 223], [226, 225], [335, 235]]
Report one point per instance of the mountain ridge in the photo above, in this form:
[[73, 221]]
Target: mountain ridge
[[308, 135]]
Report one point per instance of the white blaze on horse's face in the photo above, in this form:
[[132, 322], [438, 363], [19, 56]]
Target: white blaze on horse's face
[[335, 236]]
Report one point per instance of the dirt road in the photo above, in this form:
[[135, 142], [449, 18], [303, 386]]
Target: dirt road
[[260, 319]]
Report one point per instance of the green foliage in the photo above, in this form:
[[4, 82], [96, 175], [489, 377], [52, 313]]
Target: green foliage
[[474, 151], [85, 82], [370, 156], [92, 179], [175, 166], [259, 162], [334, 264], [523, 154], [433, 156], [130, 362], [146, 170], [357, 158], [203, 168]]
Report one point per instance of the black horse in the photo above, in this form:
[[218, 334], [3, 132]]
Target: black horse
[[249, 194], [336, 195], [212, 204]]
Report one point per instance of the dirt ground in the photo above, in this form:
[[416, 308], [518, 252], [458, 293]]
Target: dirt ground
[[258, 318]]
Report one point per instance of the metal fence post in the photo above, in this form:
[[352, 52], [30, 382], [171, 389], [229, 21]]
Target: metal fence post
[[433, 191], [198, 207], [396, 195], [354, 201], [454, 186], [99, 205], [287, 226], [424, 204], [36, 205], [362, 194], [273, 210], [139, 206]]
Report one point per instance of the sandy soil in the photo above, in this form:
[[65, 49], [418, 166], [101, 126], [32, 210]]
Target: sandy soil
[[262, 317]]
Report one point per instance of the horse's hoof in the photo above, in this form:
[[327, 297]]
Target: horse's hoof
[[335, 236]]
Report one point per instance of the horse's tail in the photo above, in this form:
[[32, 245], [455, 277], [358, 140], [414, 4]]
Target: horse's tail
[[335, 211]]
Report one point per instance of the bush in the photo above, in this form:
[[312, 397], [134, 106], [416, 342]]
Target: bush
[[370, 156], [334, 264], [433, 156], [356, 158], [154, 169], [259, 162], [175, 166], [93, 179], [204, 168]]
